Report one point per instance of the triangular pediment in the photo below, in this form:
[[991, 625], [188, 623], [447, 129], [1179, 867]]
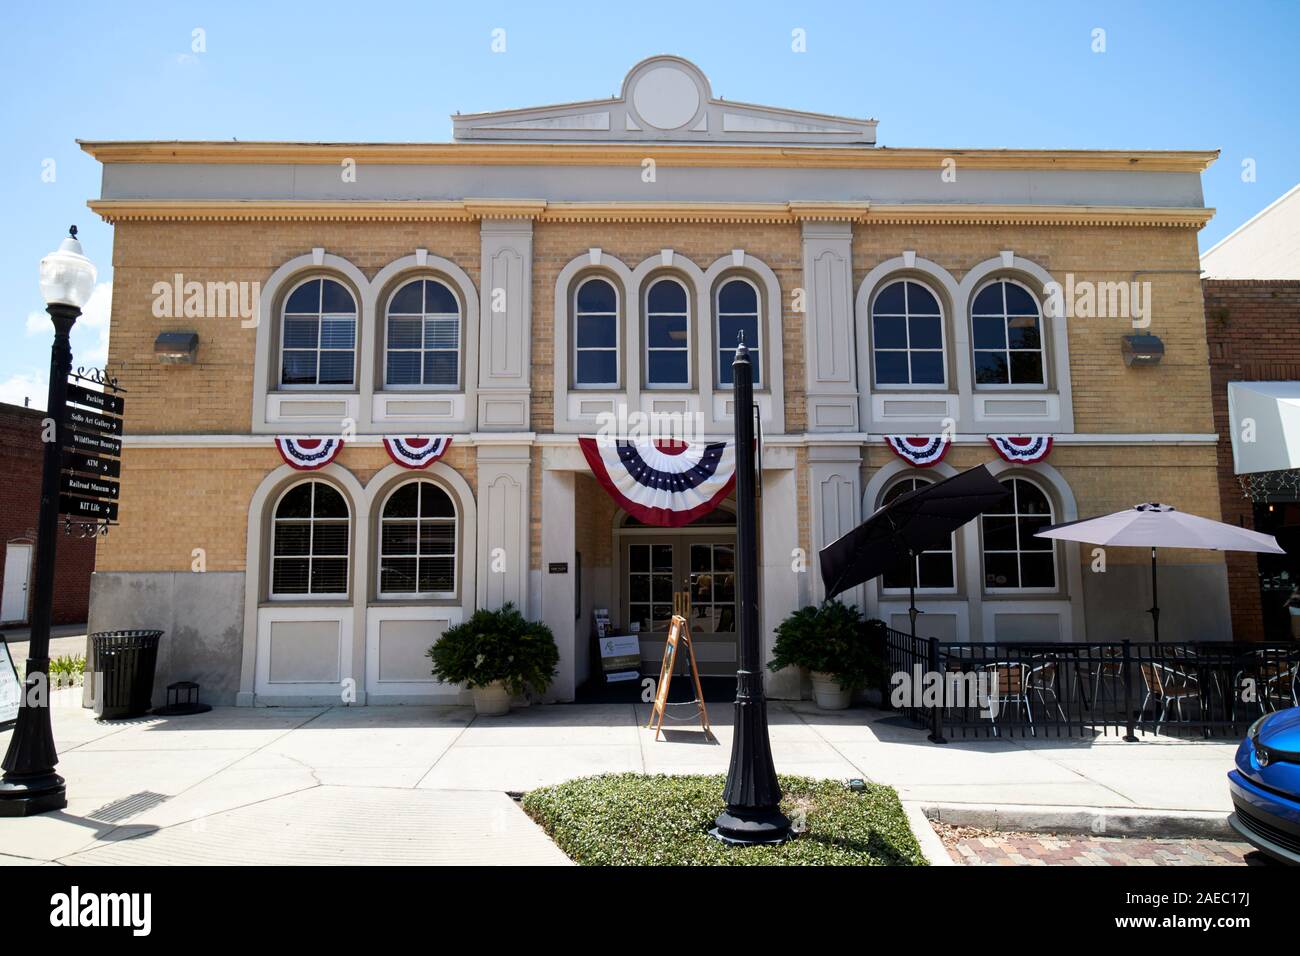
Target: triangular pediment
[[664, 99]]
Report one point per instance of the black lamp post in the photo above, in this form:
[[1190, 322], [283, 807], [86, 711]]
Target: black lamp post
[[30, 784], [753, 795]]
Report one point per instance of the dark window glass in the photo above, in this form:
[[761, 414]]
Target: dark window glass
[[927, 368], [891, 300], [309, 541], [336, 299], [1013, 557], [737, 296], [891, 368], [891, 333], [408, 300], [305, 298], [925, 332], [990, 333], [1007, 336], [597, 295], [597, 331]]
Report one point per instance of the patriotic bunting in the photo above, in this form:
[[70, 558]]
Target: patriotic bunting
[[919, 450], [308, 454], [419, 451], [1022, 449], [666, 484]]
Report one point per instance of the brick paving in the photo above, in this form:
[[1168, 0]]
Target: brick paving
[[978, 847]]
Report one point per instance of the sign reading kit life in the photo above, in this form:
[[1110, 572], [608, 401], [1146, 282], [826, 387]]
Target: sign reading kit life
[[91, 432]]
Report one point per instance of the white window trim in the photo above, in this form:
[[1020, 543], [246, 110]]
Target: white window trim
[[943, 341], [1042, 333], [335, 596], [458, 385], [455, 520], [618, 334], [690, 336], [320, 315], [1056, 589], [762, 384]]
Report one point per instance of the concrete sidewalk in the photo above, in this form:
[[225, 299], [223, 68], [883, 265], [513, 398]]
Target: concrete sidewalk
[[428, 784]]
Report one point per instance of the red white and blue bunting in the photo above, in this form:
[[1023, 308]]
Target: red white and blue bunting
[[922, 451], [1022, 449], [418, 451], [308, 454], [666, 484]]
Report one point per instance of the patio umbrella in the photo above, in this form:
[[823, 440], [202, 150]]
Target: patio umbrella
[[918, 521], [1154, 525]]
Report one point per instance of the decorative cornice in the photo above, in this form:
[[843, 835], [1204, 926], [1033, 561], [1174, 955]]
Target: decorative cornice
[[569, 154], [470, 210], [226, 210]]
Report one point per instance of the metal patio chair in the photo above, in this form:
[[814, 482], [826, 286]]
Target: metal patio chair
[[1010, 685], [1168, 686]]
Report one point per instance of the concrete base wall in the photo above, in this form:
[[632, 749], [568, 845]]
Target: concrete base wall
[[1193, 603], [201, 616]]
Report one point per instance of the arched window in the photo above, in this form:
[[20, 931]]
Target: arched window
[[309, 542], [737, 311], [422, 337], [667, 338], [907, 335], [935, 570], [1007, 332], [595, 334], [417, 542], [1013, 558], [318, 334]]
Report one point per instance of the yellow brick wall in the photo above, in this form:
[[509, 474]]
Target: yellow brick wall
[[1173, 397], [176, 500], [215, 394]]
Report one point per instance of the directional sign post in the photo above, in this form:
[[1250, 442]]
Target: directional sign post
[[92, 440]]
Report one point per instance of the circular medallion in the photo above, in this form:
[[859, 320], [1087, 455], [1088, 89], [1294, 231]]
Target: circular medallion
[[666, 97]]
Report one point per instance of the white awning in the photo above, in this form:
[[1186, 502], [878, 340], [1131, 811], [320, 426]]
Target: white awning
[[1268, 413]]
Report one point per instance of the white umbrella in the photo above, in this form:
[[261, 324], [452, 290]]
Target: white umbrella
[[1154, 526]]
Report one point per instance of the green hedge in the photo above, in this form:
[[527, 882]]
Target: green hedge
[[638, 820]]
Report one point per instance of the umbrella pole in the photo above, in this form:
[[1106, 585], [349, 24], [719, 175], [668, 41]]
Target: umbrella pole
[[911, 591], [1155, 602]]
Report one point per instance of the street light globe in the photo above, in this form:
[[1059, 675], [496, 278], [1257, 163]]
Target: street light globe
[[67, 276]]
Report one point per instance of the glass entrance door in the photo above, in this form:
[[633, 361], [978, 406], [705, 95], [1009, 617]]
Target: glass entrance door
[[703, 565]]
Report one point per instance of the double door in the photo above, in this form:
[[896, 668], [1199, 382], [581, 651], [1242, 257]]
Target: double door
[[703, 565]]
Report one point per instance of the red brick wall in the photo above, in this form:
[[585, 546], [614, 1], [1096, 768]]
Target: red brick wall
[[21, 451], [1253, 328]]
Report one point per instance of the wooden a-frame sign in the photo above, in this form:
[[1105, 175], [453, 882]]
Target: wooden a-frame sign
[[679, 635]]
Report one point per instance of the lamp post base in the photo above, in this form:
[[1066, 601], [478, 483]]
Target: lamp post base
[[751, 827], [28, 796]]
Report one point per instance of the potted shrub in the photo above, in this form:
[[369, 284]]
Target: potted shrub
[[832, 642], [496, 654]]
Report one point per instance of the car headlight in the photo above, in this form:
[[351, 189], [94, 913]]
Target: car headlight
[[1253, 732]]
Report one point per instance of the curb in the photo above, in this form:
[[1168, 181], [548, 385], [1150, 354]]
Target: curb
[[932, 848], [1098, 821]]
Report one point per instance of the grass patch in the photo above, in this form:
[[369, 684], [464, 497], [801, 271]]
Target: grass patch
[[632, 819]]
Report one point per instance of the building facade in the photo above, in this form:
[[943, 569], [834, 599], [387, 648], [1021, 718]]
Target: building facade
[[21, 454], [556, 269]]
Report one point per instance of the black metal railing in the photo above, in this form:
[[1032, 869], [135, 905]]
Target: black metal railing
[[1172, 688]]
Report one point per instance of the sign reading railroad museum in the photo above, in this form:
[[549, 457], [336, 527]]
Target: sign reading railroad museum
[[91, 430]]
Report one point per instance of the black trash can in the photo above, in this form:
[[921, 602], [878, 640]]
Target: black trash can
[[124, 662]]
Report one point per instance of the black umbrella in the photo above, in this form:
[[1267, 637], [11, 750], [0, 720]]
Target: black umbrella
[[918, 521]]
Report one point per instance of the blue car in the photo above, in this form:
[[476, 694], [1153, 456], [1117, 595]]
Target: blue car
[[1266, 786]]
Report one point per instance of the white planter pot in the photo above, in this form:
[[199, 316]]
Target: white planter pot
[[492, 700], [828, 693]]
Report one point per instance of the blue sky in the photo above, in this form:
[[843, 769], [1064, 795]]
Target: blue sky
[[1174, 75]]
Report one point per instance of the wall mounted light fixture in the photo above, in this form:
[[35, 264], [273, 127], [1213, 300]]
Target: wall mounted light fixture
[[176, 348], [1142, 350]]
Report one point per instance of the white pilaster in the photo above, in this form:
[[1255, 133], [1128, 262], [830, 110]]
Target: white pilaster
[[828, 331], [834, 473], [505, 331], [503, 493], [558, 549]]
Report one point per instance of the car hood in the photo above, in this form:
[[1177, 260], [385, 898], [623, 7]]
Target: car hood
[[1282, 730], [1279, 746]]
